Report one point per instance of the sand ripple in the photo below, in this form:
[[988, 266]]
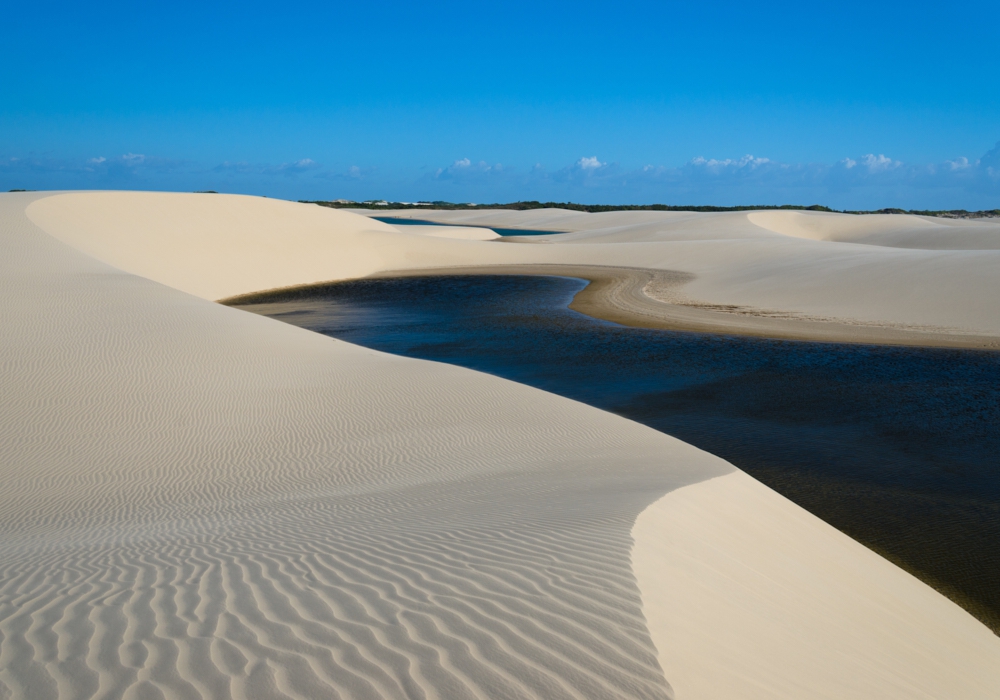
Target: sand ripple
[[201, 503]]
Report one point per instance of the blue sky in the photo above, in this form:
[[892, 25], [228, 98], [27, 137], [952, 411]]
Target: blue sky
[[849, 104]]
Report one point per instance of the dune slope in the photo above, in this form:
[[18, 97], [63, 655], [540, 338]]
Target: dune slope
[[894, 271], [200, 502]]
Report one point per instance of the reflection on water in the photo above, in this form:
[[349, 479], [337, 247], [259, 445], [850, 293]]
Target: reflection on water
[[397, 221], [898, 447]]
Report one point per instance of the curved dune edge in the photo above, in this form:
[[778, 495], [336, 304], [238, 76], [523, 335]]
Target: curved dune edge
[[476, 563], [890, 230], [882, 230], [767, 580], [621, 295], [201, 502], [745, 279], [894, 271], [465, 233]]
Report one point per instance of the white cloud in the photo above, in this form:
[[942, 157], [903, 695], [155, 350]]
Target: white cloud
[[751, 161], [303, 164], [879, 163], [465, 168], [744, 162], [870, 181], [291, 169]]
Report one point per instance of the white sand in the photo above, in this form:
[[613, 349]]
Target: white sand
[[200, 502], [465, 233], [897, 270], [733, 572], [222, 250]]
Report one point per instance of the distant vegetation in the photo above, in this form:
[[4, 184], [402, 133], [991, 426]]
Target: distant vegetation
[[377, 205], [945, 213]]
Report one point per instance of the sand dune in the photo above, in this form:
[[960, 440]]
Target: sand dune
[[899, 271], [888, 230], [761, 608], [200, 502], [216, 253], [648, 298], [465, 233]]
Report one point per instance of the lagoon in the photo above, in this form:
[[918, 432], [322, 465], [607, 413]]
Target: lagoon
[[895, 446], [400, 221]]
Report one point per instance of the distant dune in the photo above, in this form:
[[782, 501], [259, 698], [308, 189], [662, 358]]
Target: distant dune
[[202, 502], [872, 278]]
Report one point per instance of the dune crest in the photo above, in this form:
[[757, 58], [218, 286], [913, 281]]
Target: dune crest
[[200, 502], [899, 271], [220, 246], [887, 230], [768, 580]]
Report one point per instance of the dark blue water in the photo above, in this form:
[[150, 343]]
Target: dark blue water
[[396, 221], [897, 447]]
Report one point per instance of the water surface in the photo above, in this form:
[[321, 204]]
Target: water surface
[[897, 447], [397, 221]]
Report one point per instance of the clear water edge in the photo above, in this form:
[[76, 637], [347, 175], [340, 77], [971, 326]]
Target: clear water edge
[[897, 447]]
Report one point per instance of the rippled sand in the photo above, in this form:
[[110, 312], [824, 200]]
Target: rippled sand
[[200, 502]]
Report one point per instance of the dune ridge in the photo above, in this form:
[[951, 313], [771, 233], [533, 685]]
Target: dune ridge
[[894, 271], [200, 502], [647, 298], [221, 251]]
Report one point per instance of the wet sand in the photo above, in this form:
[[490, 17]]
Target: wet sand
[[625, 295]]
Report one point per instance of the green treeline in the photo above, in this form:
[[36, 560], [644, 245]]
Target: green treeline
[[595, 208]]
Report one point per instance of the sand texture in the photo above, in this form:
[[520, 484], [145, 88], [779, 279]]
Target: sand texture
[[824, 276], [199, 502], [761, 580], [645, 298]]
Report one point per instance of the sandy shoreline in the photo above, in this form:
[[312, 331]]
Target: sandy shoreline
[[884, 277], [621, 295], [200, 502]]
